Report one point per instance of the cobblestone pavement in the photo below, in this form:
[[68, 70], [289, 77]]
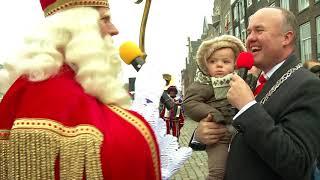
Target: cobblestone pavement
[[196, 167]]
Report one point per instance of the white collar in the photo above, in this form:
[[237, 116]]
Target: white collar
[[276, 67]]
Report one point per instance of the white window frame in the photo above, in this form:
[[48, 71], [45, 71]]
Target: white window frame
[[249, 3], [236, 32], [305, 42], [303, 4], [243, 30], [236, 12], [242, 9], [285, 4], [318, 36]]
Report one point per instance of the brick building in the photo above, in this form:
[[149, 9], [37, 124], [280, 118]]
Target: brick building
[[221, 24], [308, 17], [231, 17]]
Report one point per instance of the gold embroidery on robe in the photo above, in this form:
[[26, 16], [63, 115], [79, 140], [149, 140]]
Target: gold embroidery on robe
[[147, 134], [4, 134], [32, 147]]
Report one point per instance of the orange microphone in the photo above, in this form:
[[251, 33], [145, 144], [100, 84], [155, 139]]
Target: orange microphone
[[130, 53]]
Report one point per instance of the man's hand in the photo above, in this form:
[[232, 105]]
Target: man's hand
[[209, 132], [239, 93]]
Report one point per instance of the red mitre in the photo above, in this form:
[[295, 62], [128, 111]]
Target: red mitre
[[52, 6]]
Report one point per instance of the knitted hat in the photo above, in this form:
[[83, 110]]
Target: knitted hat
[[209, 46], [52, 6]]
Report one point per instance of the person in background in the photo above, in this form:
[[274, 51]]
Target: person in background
[[278, 129], [65, 116], [207, 96], [313, 66], [173, 115]]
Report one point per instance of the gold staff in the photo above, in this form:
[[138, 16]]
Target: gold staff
[[143, 26]]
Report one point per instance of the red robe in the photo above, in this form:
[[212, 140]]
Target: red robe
[[53, 130]]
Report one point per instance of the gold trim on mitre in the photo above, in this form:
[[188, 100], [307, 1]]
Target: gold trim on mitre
[[67, 4], [145, 132], [31, 149]]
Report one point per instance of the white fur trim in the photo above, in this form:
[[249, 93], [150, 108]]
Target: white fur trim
[[209, 46]]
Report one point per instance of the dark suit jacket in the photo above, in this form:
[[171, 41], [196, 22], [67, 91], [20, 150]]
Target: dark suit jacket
[[279, 140]]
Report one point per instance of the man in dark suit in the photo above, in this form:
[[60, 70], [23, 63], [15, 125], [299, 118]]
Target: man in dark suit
[[278, 129]]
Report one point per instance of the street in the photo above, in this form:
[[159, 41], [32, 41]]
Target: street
[[196, 167]]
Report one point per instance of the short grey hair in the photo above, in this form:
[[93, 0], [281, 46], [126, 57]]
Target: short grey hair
[[289, 21]]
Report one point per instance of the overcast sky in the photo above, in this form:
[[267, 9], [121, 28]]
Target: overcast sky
[[169, 24]]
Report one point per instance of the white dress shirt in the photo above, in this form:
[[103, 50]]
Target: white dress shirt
[[268, 75]]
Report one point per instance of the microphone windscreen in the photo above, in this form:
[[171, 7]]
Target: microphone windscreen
[[245, 60], [129, 51]]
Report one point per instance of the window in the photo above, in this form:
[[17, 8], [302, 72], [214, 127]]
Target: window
[[305, 42], [302, 4], [241, 9], [236, 32], [227, 23], [230, 32], [249, 2], [318, 37], [235, 12], [273, 5], [243, 31], [285, 4]]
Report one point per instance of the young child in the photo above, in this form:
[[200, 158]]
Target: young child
[[216, 60]]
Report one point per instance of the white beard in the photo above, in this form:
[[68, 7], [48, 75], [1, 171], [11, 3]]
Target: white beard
[[97, 71], [63, 40]]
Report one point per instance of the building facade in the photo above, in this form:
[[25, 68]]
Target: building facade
[[221, 24], [308, 17], [231, 17], [191, 65]]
